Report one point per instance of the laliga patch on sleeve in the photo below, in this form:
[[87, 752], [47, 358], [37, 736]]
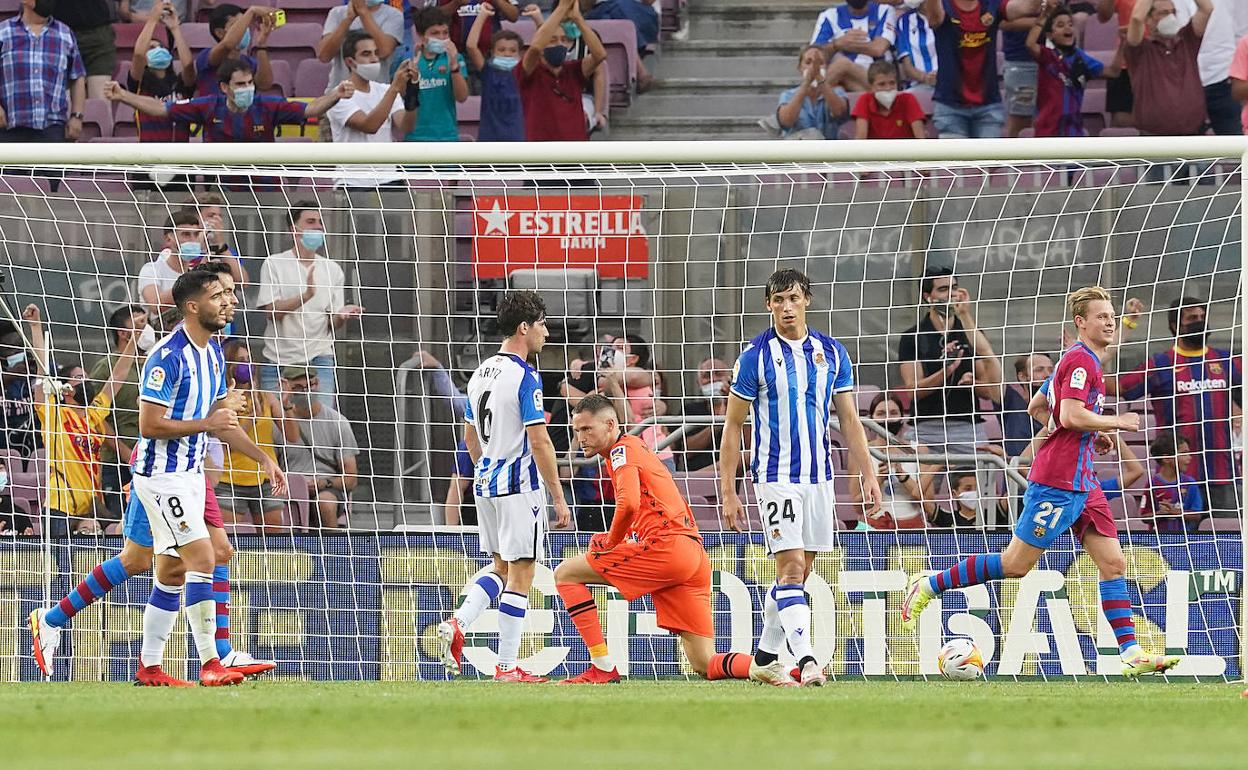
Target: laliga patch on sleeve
[[155, 378], [736, 370], [537, 400], [618, 458], [1079, 378]]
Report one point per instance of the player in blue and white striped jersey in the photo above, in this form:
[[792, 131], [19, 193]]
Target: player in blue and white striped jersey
[[514, 466], [789, 378]]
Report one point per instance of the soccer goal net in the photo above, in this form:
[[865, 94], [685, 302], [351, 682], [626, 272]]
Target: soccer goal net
[[946, 280]]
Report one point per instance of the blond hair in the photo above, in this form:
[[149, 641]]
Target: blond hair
[[1079, 300]]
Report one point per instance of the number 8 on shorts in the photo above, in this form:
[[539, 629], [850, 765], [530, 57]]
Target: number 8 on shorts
[[175, 508]]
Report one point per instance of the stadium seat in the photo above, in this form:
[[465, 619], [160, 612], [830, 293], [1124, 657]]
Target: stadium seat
[[863, 396], [468, 113], [299, 501], [691, 485], [294, 43], [705, 513], [198, 37], [124, 123], [619, 37], [311, 78], [283, 80], [297, 11], [1100, 36], [126, 35], [1119, 131], [572, 297], [1094, 119]]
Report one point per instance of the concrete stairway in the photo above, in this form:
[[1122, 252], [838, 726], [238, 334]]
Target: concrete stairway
[[725, 75]]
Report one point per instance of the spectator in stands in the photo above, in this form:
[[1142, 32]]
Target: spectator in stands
[[304, 296], [183, 249], [1193, 389], [968, 101], [231, 26], [886, 113], [152, 74], [245, 493], [1173, 502], [1131, 469], [43, 88], [463, 14], [1239, 79], [127, 324], [502, 114], [141, 11], [551, 85], [443, 80], [817, 107], [1119, 101], [966, 504], [325, 449], [908, 488], [381, 22], [1065, 70], [77, 425], [916, 48], [633, 372], [208, 205], [1017, 426], [236, 113], [1227, 23], [645, 20], [19, 431], [862, 32], [1165, 80], [594, 97], [1019, 76], [11, 522], [442, 386], [460, 508], [376, 112], [91, 23], [700, 444]]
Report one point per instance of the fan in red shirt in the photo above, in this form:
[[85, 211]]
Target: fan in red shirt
[[653, 548], [551, 85], [884, 113]]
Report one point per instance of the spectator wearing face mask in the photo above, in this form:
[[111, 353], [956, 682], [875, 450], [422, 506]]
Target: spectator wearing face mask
[[19, 431], [376, 112], [551, 85], [886, 113], [77, 425], [231, 26], [916, 47], [125, 323], [443, 79], [594, 97], [1165, 78], [907, 487], [862, 32], [464, 14], [502, 114], [632, 375], [1017, 426], [1193, 388], [1065, 70], [700, 444], [152, 74], [965, 504], [968, 101], [382, 22], [182, 249], [817, 107]]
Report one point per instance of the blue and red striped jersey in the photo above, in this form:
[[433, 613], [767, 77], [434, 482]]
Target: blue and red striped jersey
[[1059, 90], [256, 124], [1065, 458], [1191, 391]]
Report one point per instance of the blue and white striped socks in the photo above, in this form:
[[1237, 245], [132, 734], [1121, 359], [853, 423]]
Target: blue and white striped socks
[[159, 616], [478, 598], [795, 618], [511, 611]]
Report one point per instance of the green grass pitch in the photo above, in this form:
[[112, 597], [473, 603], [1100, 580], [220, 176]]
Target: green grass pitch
[[660, 725]]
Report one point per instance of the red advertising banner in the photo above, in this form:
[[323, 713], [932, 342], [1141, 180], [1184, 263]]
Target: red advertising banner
[[602, 232]]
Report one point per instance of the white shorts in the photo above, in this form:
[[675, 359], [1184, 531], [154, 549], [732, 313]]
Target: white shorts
[[514, 526], [797, 516], [175, 508]]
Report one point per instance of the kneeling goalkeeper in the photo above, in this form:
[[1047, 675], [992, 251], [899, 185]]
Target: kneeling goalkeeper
[[653, 548]]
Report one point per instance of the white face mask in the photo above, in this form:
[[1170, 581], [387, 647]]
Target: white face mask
[[886, 98], [715, 388], [912, 4], [1169, 26], [619, 360], [370, 72], [147, 338], [970, 499]]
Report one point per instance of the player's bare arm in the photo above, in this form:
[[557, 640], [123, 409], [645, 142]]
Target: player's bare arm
[[548, 467], [730, 462], [859, 456]]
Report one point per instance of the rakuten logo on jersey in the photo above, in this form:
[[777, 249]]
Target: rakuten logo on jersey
[[1199, 386]]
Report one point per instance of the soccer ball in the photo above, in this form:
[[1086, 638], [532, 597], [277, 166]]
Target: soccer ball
[[960, 660]]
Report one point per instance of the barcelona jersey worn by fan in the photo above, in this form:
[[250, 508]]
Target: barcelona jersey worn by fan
[[74, 440], [1191, 391], [1063, 491]]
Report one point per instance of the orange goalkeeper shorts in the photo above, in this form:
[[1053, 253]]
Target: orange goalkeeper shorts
[[674, 571]]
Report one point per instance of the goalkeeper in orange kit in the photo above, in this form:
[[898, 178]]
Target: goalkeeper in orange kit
[[653, 548]]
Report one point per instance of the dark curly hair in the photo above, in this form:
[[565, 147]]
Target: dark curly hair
[[520, 306]]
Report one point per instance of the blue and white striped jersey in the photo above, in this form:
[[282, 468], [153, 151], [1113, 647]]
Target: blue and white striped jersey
[[187, 380], [878, 21], [916, 40], [790, 385], [504, 398]]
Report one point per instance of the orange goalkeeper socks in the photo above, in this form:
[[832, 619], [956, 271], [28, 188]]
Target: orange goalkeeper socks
[[584, 613], [728, 665]]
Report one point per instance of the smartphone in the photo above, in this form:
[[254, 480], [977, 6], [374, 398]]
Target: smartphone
[[279, 18]]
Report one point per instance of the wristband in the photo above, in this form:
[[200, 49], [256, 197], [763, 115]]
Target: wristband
[[223, 248], [76, 116]]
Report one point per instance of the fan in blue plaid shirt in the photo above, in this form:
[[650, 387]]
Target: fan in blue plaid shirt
[[39, 65]]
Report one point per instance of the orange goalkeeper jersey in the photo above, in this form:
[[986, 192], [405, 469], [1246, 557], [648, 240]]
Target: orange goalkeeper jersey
[[648, 505]]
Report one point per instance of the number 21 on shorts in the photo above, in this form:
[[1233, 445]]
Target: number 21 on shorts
[[1048, 515]]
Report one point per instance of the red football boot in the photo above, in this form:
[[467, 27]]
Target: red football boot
[[594, 675], [154, 676], [213, 674]]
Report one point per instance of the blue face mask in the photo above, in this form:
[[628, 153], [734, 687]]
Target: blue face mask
[[435, 45], [312, 239], [571, 30], [15, 360], [243, 97], [373, 3], [4, 479], [190, 251], [505, 63], [159, 58], [555, 55], [245, 43]]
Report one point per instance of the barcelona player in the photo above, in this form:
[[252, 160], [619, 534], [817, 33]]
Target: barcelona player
[[1063, 492], [653, 548]]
